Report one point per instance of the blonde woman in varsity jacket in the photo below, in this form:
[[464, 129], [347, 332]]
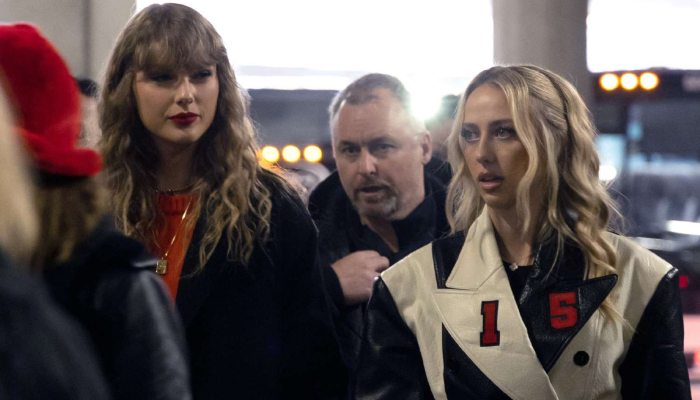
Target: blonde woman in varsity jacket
[[532, 297]]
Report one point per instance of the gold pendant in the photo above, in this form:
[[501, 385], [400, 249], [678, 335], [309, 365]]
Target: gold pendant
[[161, 267]]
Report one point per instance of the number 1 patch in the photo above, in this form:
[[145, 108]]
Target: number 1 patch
[[490, 336], [563, 309]]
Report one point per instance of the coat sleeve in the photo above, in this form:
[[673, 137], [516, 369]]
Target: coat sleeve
[[390, 365], [655, 366], [147, 359], [313, 368]]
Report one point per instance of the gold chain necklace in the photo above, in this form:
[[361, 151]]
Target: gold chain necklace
[[162, 264]]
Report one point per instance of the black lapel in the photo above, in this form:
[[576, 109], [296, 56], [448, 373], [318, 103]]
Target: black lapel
[[563, 289], [195, 287], [445, 253]]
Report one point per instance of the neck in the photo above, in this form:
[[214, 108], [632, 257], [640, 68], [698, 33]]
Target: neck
[[175, 169], [514, 244], [384, 229]]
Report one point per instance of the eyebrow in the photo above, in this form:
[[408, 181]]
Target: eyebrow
[[347, 143], [381, 139], [492, 123]]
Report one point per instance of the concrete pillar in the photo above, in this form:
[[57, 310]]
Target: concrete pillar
[[107, 19], [548, 33], [83, 31], [61, 21]]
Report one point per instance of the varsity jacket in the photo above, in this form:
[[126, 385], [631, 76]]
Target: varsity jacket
[[443, 324]]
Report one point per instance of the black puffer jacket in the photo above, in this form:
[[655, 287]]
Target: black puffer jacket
[[109, 287]]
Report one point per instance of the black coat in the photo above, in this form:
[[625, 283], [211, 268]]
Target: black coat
[[109, 287], [263, 330], [341, 233], [43, 353]]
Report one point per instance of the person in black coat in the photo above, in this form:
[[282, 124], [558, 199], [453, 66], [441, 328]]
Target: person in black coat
[[97, 275], [380, 205], [235, 245], [43, 352]]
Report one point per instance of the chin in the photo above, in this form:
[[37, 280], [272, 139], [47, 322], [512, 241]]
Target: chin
[[496, 203], [384, 209]]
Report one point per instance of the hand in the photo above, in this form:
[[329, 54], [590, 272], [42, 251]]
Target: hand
[[357, 273]]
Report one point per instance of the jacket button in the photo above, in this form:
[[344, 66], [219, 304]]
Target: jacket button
[[452, 365], [581, 358]]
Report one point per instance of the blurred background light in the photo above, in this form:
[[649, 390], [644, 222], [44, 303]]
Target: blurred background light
[[313, 154], [609, 82], [683, 281], [620, 37], [629, 81], [683, 227], [270, 154], [648, 81], [607, 173], [317, 44], [291, 153]]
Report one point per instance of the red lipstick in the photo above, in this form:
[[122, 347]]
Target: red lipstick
[[184, 119]]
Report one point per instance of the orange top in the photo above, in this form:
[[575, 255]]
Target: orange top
[[173, 236]]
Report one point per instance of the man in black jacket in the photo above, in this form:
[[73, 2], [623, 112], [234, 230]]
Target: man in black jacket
[[379, 205]]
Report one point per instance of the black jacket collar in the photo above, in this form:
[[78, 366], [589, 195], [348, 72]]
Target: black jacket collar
[[341, 232]]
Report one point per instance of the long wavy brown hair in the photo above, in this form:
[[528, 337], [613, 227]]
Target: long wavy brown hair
[[229, 181], [557, 131]]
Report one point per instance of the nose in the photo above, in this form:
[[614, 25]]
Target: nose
[[484, 150], [368, 163], [185, 92]]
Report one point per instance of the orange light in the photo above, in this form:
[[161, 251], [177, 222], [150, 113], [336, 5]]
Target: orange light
[[696, 359], [609, 82], [649, 81], [291, 153], [313, 154], [270, 154], [629, 81]]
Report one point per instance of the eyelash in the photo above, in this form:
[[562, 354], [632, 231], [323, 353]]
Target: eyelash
[[498, 133], [165, 77]]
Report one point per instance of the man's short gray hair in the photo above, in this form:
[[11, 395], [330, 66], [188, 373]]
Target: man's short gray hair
[[361, 91]]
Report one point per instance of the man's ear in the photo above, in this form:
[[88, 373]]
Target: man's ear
[[426, 144]]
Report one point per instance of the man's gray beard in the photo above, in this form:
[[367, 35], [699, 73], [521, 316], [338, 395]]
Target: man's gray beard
[[387, 210]]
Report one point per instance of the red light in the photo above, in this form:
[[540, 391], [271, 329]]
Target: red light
[[683, 281]]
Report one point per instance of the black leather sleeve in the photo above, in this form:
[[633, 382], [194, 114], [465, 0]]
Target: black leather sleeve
[[146, 358], [655, 367], [390, 365]]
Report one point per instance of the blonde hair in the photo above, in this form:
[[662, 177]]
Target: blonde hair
[[558, 134], [228, 178], [18, 221]]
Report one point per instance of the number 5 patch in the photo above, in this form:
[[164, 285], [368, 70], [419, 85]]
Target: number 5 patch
[[563, 309]]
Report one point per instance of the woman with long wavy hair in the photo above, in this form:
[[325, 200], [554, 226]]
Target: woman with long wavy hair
[[236, 246], [532, 297]]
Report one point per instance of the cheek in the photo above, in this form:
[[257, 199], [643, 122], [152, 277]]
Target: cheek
[[148, 102], [469, 159]]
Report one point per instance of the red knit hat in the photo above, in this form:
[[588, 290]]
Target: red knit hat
[[46, 100]]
